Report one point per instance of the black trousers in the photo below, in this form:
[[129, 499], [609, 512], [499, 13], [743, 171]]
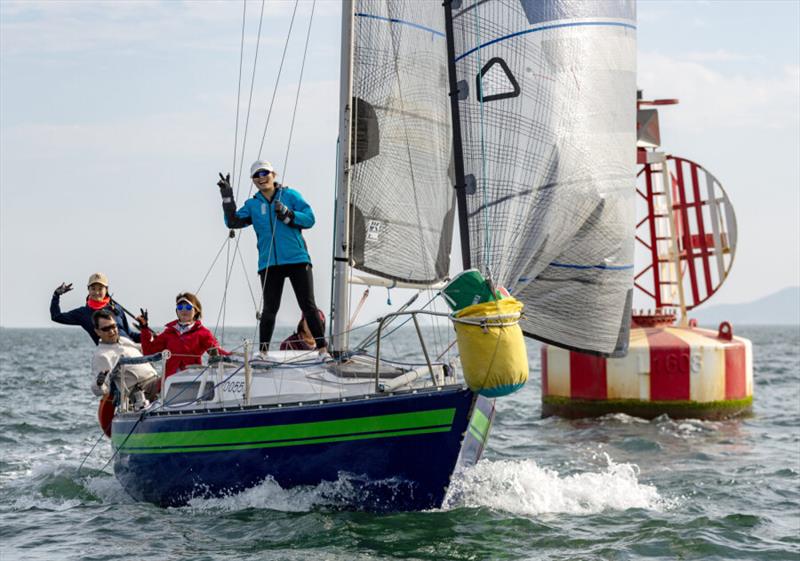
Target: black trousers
[[302, 279]]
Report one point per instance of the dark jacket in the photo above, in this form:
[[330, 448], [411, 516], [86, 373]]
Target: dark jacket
[[83, 316], [295, 343], [286, 246], [186, 348]]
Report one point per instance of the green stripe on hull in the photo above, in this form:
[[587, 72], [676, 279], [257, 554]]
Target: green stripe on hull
[[479, 425], [360, 428], [280, 444]]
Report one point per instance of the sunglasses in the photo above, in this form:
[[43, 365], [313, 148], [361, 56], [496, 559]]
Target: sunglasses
[[107, 328], [183, 306], [261, 173]]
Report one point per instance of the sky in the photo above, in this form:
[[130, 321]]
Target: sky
[[115, 119]]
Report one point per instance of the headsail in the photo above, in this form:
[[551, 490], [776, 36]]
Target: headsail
[[547, 106], [401, 198]]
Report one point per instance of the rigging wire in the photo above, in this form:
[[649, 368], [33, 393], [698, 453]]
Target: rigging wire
[[484, 191], [239, 88], [277, 80], [289, 144], [211, 267], [299, 86], [250, 98]]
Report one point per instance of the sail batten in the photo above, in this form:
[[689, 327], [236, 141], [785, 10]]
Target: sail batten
[[546, 107]]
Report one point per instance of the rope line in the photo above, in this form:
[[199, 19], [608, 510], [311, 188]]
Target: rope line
[[211, 267], [299, 86], [277, 79], [250, 98], [239, 88]]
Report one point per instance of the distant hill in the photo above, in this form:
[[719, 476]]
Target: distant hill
[[782, 307]]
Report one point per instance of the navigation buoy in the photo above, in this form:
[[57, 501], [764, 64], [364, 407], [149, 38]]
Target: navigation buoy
[[678, 371], [687, 229]]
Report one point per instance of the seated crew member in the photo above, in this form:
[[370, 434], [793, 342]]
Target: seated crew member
[[113, 346], [186, 337], [278, 215], [97, 299], [302, 339]]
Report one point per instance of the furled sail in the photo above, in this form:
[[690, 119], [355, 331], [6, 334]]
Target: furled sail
[[401, 196], [547, 107]]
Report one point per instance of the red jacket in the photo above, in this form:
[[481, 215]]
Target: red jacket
[[186, 348]]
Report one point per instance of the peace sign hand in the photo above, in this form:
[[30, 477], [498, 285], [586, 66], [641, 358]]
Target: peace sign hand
[[224, 181]]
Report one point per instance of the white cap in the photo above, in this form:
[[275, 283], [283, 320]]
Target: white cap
[[259, 165]]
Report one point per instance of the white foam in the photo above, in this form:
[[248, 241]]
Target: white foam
[[522, 487], [269, 495]]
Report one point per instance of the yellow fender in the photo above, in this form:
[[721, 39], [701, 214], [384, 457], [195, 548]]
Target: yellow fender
[[492, 347]]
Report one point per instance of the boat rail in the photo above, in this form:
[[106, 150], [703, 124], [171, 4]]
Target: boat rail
[[391, 317], [116, 374]]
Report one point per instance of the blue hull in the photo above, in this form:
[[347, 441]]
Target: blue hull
[[398, 451]]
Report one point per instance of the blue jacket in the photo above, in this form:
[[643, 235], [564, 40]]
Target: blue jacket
[[287, 245], [83, 316]]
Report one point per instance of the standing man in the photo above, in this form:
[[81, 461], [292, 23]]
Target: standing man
[[279, 215]]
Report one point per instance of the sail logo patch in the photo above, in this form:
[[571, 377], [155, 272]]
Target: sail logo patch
[[496, 81], [373, 230]]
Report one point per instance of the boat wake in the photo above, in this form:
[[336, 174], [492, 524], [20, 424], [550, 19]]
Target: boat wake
[[343, 493], [524, 488], [60, 487], [519, 487]]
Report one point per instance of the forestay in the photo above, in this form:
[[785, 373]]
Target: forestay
[[547, 104], [401, 197]]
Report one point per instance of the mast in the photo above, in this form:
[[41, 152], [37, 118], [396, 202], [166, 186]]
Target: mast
[[341, 251], [458, 153]]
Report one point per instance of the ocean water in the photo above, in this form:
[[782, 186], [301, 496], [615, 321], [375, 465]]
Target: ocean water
[[611, 488]]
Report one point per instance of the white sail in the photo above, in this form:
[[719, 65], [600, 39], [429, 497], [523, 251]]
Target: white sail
[[401, 198], [547, 109]]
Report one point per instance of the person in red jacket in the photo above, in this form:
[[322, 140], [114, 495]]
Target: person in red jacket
[[185, 338]]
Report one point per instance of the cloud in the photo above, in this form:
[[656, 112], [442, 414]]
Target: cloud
[[70, 27], [721, 55], [713, 98]]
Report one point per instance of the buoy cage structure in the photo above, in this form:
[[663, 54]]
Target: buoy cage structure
[[686, 238]]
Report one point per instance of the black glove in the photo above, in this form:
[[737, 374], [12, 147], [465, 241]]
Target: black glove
[[284, 213], [142, 319], [101, 377], [63, 289], [224, 182]]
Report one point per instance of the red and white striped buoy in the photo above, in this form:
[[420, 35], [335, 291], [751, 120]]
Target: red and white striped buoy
[[678, 371]]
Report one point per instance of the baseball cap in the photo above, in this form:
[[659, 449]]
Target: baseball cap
[[98, 278], [259, 165]]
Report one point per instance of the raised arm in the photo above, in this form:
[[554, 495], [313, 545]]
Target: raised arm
[[233, 218], [72, 317], [151, 343]]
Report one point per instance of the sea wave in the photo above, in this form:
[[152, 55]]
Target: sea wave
[[524, 488]]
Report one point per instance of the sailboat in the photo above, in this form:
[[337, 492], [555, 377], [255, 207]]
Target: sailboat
[[527, 109]]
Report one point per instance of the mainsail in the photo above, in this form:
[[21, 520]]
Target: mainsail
[[402, 201], [547, 108]]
